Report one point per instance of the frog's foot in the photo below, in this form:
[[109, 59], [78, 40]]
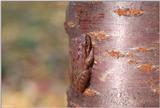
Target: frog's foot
[[90, 92]]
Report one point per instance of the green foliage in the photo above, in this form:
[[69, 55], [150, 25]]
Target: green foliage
[[25, 43]]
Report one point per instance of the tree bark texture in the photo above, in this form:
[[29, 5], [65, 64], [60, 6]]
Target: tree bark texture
[[114, 53]]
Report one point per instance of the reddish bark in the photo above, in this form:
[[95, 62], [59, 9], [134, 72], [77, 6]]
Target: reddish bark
[[125, 38]]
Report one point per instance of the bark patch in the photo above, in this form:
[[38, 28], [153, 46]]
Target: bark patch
[[129, 12]]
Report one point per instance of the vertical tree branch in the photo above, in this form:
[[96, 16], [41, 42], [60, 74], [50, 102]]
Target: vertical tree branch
[[125, 39]]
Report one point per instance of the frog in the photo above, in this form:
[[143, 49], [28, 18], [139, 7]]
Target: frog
[[81, 76]]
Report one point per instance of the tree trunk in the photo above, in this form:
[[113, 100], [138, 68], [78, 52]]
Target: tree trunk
[[114, 51]]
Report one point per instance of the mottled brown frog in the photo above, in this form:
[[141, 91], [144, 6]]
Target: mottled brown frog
[[81, 80]]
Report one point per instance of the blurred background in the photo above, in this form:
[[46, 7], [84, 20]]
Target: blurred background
[[34, 54]]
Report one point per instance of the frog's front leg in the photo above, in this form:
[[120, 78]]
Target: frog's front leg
[[82, 84], [82, 81]]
